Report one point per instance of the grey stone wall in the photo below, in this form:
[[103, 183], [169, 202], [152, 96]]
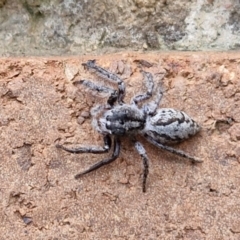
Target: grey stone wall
[[68, 27]]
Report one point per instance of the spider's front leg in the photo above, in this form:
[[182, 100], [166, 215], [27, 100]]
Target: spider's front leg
[[93, 149], [100, 89], [115, 154], [103, 73]]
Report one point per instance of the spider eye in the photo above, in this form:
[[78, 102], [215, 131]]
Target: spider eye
[[108, 124]]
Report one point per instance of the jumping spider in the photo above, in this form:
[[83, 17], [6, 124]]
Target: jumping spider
[[116, 119]]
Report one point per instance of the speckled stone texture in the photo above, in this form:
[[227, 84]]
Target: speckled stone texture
[[40, 106], [72, 27]]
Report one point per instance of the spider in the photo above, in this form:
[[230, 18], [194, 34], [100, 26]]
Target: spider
[[115, 119]]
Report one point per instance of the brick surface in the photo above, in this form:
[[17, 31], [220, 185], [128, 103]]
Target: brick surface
[[40, 199]]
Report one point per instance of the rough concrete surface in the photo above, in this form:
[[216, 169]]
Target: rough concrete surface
[[63, 27], [40, 106]]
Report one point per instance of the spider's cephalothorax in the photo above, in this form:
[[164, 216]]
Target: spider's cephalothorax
[[115, 119]]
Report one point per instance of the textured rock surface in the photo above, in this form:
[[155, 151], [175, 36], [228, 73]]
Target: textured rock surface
[[40, 199], [57, 27]]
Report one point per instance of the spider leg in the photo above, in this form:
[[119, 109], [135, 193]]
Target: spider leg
[[94, 87], [151, 107], [142, 152], [172, 150], [115, 154], [91, 64], [101, 89], [92, 149], [148, 79]]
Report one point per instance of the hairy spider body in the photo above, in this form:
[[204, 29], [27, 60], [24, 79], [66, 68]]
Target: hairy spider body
[[170, 126], [122, 120], [116, 119], [167, 126]]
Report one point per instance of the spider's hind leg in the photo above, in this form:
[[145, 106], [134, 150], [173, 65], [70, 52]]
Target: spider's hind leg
[[151, 107], [148, 79], [172, 150]]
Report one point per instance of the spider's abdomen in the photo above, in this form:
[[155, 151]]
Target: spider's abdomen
[[170, 126], [124, 119]]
